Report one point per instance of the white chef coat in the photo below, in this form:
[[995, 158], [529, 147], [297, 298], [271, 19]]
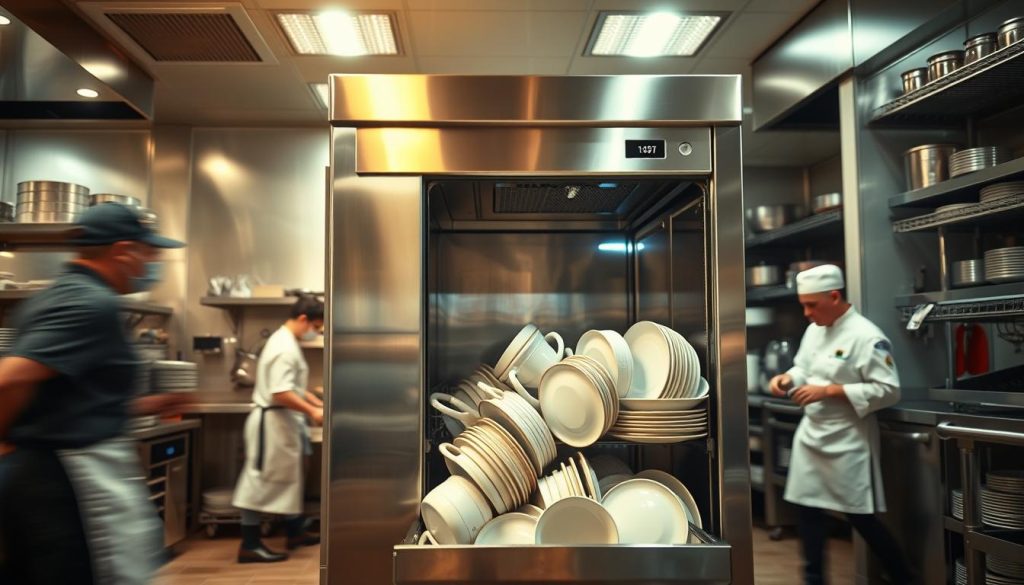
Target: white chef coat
[[277, 487], [835, 462]]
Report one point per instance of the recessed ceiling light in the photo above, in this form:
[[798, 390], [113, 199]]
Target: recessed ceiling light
[[320, 91], [335, 32], [4, 21], [658, 34], [88, 93]]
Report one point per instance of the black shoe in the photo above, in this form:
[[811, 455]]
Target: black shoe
[[260, 554], [306, 539]]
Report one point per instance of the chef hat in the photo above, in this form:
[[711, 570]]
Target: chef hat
[[824, 278]]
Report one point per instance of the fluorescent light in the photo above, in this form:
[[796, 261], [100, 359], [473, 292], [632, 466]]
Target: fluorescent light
[[620, 247], [340, 33], [6, 254], [657, 34], [321, 93], [88, 93], [4, 21]]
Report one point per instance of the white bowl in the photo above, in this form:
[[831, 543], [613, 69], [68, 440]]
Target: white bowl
[[514, 528], [647, 512], [610, 350], [677, 487], [452, 512], [572, 405], [576, 521], [652, 355]]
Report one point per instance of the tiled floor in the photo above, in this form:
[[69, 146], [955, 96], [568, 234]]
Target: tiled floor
[[202, 561]]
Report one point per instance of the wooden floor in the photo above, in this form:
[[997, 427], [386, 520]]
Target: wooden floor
[[202, 561]]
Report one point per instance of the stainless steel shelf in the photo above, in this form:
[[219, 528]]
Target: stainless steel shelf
[[799, 233], [1001, 211], [992, 302], [988, 85], [1008, 544], [993, 397], [127, 306], [38, 236], [768, 294], [238, 302], [963, 189], [953, 525]]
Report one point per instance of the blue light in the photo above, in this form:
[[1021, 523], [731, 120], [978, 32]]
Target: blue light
[[608, 185], [621, 247], [169, 451]]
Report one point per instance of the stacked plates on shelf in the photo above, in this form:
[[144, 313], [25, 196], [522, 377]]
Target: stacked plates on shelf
[[1008, 480], [7, 337], [144, 377], [1002, 191], [665, 364], [487, 455], [1004, 264], [971, 160], [661, 427], [578, 400], [173, 376], [1009, 568], [573, 478], [143, 422], [961, 572], [151, 352], [218, 501], [958, 504], [1002, 509], [954, 207], [968, 272], [611, 350], [523, 422], [50, 202]]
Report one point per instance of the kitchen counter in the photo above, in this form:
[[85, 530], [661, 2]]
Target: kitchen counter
[[931, 412], [316, 434], [162, 429]]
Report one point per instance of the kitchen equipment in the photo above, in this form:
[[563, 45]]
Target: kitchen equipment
[[753, 372], [764, 218], [1004, 264], [971, 160], [1001, 191], [763, 275], [977, 350], [943, 64], [6, 212], [979, 46], [50, 202], [968, 272], [914, 79], [98, 198], [759, 316], [175, 376], [165, 467], [1011, 31], [927, 164], [826, 202]]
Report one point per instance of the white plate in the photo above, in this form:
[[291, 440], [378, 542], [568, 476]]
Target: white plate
[[610, 350], [608, 482], [656, 439], [659, 405], [651, 359], [574, 473], [572, 405], [492, 469], [462, 465], [677, 487], [530, 510], [589, 478], [576, 521], [541, 432], [513, 528], [647, 512], [500, 412]]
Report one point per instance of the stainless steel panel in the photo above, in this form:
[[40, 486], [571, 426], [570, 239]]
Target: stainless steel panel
[[628, 100], [533, 151], [653, 275], [374, 380], [877, 24], [176, 501]]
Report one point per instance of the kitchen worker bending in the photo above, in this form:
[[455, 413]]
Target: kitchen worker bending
[[277, 436], [74, 508], [843, 372]]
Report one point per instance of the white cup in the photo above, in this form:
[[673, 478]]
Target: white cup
[[531, 364], [453, 513]]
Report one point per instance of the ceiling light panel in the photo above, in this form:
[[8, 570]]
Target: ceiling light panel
[[658, 34], [348, 34], [321, 92]]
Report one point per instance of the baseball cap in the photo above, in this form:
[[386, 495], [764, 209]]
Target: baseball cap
[[108, 223]]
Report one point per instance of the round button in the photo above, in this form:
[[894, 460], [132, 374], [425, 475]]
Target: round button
[[685, 148]]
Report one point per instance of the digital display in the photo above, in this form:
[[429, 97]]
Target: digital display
[[645, 149]]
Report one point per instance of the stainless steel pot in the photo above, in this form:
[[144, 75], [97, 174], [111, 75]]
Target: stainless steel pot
[[763, 275], [47, 217], [943, 64], [927, 164], [764, 218], [914, 79], [34, 186], [98, 198], [1011, 31], [978, 47], [826, 202]]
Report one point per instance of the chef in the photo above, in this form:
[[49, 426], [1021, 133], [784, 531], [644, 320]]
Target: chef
[[277, 436], [843, 372]]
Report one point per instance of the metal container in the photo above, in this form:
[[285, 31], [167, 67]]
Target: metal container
[[53, 197], [98, 198], [47, 217], [1011, 31], [764, 218], [59, 186], [979, 47], [6, 211], [50, 202], [914, 79], [968, 272], [943, 64], [826, 202], [927, 164], [763, 275]]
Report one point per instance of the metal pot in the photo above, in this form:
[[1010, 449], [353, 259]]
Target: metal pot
[[978, 47], [764, 218], [1011, 31], [763, 276], [98, 198], [36, 186], [927, 164], [826, 202], [943, 64], [914, 79]]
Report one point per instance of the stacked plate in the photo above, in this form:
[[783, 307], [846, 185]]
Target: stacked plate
[[971, 160], [665, 365], [7, 337], [1002, 191], [661, 427], [487, 455], [174, 376], [218, 501], [997, 579], [1008, 480], [968, 272], [611, 350], [958, 504], [577, 521], [100, 198], [573, 478], [525, 424], [1010, 568], [50, 202], [469, 392], [1004, 264], [954, 207], [1002, 509], [961, 572], [578, 400]]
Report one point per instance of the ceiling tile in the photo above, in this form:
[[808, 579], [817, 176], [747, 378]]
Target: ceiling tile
[[318, 68], [798, 6], [746, 35], [494, 65], [664, 5], [504, 5], [499, 34], [632, 66]]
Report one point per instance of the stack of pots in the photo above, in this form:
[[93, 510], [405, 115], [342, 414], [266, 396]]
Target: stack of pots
[[50, 202]]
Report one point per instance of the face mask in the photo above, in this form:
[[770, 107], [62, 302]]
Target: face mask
[[310, 335], [149, 279]]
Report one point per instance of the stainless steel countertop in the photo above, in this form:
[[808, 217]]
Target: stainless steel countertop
[[316, 434], [162, 429], [931, 412]]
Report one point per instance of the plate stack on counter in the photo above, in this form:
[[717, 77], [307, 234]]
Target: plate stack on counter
[[1003, 571], [7, 336], [972, 160], [1002, 499], [999, 191], [174, 376], [50, 202], [1004, 264]]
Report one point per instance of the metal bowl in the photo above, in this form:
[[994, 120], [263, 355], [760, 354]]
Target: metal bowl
[[765, 218], [763, 275], [826, 202]]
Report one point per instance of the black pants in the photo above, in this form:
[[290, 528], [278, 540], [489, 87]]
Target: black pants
[[814, 536], [42, 541]]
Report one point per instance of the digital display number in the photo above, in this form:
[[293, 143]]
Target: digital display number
[[645, 149]]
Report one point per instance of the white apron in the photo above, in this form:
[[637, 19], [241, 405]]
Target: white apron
[[835, 463], [124, 533], [275, 438]]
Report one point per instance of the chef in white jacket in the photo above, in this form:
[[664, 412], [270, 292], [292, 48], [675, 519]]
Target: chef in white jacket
[[277, 435], [843, 372]]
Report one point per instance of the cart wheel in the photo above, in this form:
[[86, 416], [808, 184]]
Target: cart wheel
[[211, 530], [266, 528], [776, 533]]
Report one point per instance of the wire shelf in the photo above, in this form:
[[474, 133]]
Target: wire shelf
[[1004, 209], [799, 232], [983, 309]]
